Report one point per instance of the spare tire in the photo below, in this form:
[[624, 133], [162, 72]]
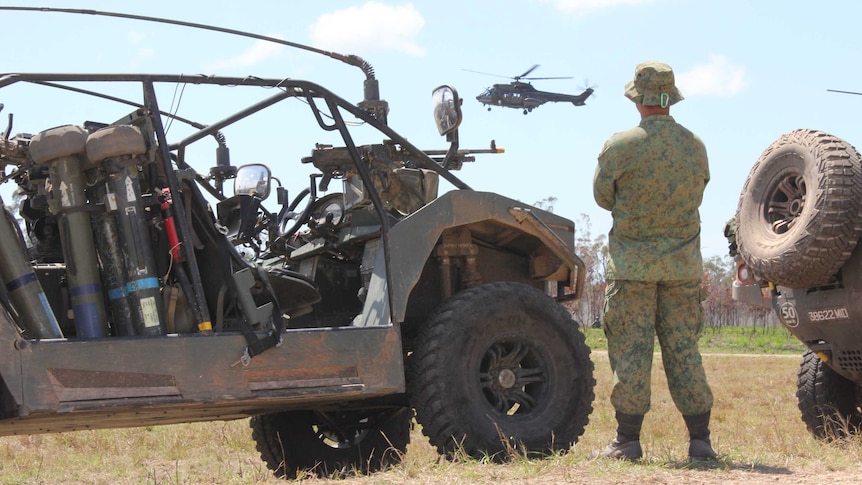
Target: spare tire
[[798, 218]]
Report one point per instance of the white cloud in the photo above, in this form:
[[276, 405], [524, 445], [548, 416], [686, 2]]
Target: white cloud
[[718, 77], [581, 7], [258, 52], [135, 37], [371, 27]]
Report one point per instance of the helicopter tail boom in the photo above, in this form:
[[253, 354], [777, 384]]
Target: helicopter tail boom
[[581, 99]]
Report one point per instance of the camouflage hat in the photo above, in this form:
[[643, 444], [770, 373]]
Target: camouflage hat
[[653, 85]]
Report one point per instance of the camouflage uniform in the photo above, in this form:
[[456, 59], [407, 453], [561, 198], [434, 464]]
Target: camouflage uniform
[[652, 180]]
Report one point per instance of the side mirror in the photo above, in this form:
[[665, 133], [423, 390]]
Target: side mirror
[[253, 179], [447, 109]]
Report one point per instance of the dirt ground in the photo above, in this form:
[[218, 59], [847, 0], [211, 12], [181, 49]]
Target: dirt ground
[[758, 475], [650, 475], [757, 431]]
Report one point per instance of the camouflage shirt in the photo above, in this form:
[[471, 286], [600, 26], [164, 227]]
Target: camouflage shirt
[[652, 179]]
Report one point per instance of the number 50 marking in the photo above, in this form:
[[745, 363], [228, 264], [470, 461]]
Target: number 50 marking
[[788, 314]]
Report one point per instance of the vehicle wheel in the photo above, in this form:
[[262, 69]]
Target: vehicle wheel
[[829, 402], [799, 212], [328, 444], [501, 368]]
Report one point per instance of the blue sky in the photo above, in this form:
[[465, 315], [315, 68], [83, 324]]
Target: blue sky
[[749, 70]]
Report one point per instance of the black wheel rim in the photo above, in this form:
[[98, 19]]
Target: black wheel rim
[[339, 431], [785, 202], [513, 377]]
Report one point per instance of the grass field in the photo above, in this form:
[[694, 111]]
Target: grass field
[[756, 429], [729, 340]]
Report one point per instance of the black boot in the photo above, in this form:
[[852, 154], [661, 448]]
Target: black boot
[[627, 444], [699, 446]]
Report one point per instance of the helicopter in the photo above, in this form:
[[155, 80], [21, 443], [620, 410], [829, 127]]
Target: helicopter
[[522, 95]]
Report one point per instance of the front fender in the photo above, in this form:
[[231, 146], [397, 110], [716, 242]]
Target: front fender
[[493, 219]]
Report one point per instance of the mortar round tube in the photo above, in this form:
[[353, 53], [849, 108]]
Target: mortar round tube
[[112, 274], [142, 287], [34, 312]]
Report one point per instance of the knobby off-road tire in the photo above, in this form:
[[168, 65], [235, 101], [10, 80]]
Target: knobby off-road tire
[[499, 369], [799, 213], [331, 444], [829, 403]]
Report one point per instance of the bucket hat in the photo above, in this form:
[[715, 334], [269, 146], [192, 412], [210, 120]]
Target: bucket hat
[[653, 85]]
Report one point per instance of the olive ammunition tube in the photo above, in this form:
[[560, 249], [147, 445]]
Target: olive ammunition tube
[[62, 149]]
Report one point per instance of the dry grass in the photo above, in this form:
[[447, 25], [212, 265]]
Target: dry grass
[[756, 429]]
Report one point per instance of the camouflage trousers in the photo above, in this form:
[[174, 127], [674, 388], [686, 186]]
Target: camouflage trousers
[[635, 313]]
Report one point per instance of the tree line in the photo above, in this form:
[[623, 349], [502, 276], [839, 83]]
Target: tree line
[[719, 272]]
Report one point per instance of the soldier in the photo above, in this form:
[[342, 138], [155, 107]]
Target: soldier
[[652, 180]]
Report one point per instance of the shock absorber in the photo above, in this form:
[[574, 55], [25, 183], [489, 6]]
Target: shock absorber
[[166, 206], [28, 300], [61, 149], [117, 149], [200, 316]]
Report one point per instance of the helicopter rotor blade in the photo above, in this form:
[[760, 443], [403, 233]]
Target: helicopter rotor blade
[[487, 73], [591, 87], [588, 84], [540, 78], [516, 78]]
